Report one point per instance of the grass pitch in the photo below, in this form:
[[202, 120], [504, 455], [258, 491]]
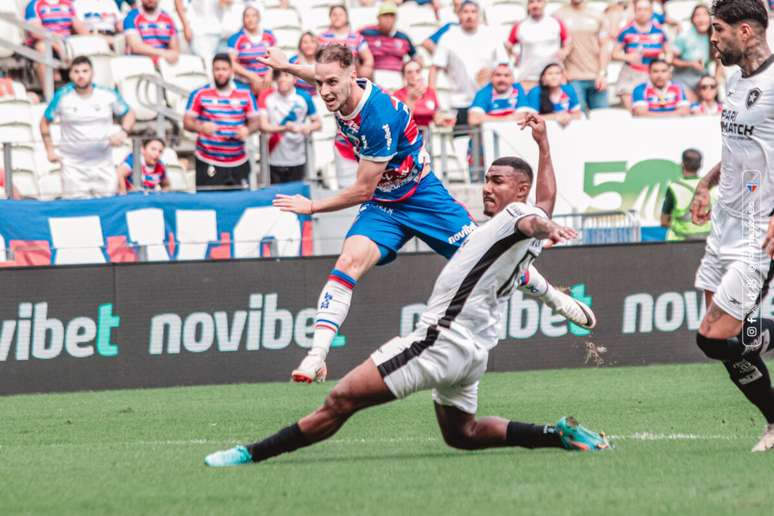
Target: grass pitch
[[682, 436]]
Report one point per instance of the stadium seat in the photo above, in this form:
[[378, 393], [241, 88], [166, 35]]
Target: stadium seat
[[324, 160], [127, 72], [177, 179], [278, 18], [610, 115], [26, 184], [505, 14], [411, 14], [188, 73], [287, 38], [680, 11], [552, 7], [360, 17], [388, 79], [120, 153], [8, 31], [50, 186], [87, 46]]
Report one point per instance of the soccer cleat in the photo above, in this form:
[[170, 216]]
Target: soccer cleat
[[235, 456], [311, 369], [767, 441], [573, 310], [576, 438]]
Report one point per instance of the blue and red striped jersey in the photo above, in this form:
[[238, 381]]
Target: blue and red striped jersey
[[353, 40], [659, 100], [152, 176], [247, 49], [492, 103], [57, 18], [156, 32], [227, 111], [650, 43]]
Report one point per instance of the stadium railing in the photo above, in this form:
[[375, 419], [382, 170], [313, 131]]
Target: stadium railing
[[604, 227]]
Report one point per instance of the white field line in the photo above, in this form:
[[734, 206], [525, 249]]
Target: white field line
[[637, 436]]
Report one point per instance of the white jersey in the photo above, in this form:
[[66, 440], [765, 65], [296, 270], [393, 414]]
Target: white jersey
[[747, 126], [470, 294]]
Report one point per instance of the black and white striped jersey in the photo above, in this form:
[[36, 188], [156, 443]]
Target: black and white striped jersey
[[473, 289]]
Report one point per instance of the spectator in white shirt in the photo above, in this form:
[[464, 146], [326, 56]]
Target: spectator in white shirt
[[542, 40], [468, 54]]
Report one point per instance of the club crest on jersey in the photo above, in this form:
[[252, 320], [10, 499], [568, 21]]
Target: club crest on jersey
[[752, 97], [752, 186]]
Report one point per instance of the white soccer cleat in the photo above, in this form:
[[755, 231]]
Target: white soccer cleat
[[767, 441], [573, 310], [311, 369]]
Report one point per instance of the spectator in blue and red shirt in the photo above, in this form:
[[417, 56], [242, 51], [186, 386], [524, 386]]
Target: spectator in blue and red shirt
[[153, 171], [246, 46], [389, 46], [501, 99], [708, 103], [552, 98], [224, 116], [151, 32], [340, 32], [659, 96], [56, 16], [307, 48], [639, 43]]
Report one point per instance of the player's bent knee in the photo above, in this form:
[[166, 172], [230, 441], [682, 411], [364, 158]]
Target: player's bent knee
[[462, 438], [717, 349]]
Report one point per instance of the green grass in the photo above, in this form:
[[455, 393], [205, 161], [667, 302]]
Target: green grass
[[140, 452]]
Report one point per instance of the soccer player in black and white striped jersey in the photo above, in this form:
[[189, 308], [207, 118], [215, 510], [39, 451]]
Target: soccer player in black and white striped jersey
[[449, 349]]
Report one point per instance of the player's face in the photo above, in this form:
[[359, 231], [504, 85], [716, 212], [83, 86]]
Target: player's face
[[308, 45], [285, 83], [660, 74], [502, 79], [150, 5], [643, 12], [502, 186], [726, 40], [334, 84], [338, 18], [221, 73], [469, 17], [536, 8], [251, 19], [152, 152], [386, 23], [412, 74], [81, 75]]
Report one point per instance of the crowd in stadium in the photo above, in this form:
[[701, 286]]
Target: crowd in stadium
[[455, 65]]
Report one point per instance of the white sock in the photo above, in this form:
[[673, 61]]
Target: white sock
[[532, 282], [332, 309]]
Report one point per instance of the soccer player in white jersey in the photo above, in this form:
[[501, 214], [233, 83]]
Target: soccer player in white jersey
[[448, 351], [399, 194], [735, 270]]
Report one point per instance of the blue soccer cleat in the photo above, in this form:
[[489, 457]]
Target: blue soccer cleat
[[576, 438], [235, 456]]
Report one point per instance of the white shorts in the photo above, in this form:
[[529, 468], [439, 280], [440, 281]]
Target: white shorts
[[429, 359], [87, 181], [734, 266]]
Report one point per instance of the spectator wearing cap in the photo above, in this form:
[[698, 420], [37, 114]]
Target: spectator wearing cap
[[552, 98], [289, 115], [542, 40], [389, 46], [150, 31], [153, 173], [587, 60], [708, 103], [639, 44], [247, 46], [468, 55], [659, 96], [86, 113], [59, 18], [418, 96]]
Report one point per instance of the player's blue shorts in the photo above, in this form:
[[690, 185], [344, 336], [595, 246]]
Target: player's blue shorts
[[431, 214]]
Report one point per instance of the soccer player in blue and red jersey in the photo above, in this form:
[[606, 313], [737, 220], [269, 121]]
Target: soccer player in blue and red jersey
[[151, 32], [56, 16], [224, 116], [247, 45], [659, 96], [400, 196]]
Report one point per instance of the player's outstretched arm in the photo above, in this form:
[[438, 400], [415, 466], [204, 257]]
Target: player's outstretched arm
[[545, 189], [544, 229], [701, 204], [276, 59], [368, 175]]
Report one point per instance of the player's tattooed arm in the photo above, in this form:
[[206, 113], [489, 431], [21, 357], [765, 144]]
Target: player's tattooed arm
[[542, 229], [701, 204]]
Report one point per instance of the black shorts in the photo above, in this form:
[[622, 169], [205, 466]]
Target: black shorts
[[212, 177], [280, 174]]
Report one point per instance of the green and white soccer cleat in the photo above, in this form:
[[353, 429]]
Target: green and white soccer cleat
[[767, 441], [235, 456], [576, 438]]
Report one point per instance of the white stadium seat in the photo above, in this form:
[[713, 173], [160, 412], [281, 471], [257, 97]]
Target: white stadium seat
[[411, 14], [50, 186], [25, 183], [9, 31], [177, 179], [188, 73], [287, 38], [360, 17], [505, 14], [680, 11], [126, 72], [87, 46], [388, 79], [276, 18]]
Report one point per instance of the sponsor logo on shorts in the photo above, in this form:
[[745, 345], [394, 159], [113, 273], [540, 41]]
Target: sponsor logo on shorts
[[466, 230]]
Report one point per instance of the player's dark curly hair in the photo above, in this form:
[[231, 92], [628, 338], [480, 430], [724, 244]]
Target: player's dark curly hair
[[515, 163], [335, 54], [735, 11]]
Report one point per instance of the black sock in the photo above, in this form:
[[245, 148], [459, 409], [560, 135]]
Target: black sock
[[286, 440], [528, 435], [751, 376]]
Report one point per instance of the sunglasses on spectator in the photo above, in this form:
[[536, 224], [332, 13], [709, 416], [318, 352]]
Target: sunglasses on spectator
[[708, 86]]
